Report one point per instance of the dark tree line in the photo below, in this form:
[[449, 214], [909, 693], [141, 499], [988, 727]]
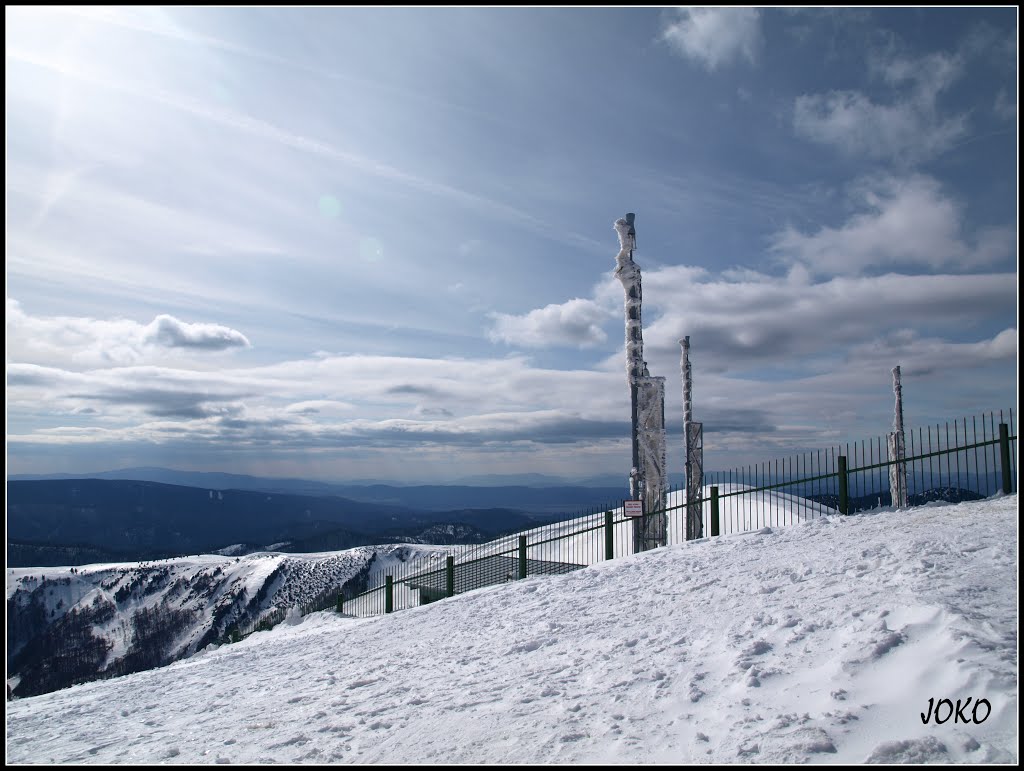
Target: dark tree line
[[59, 654], [154, 631]]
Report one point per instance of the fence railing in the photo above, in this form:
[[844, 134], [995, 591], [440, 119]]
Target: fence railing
[[955, 461], [960, 460]]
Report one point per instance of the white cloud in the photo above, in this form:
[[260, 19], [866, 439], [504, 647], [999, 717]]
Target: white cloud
[[573, 323], [109, 343], [918, 355], [854, 124], [169, 332], [908, 130], [456, 402], [902, 222], [714, 36], [807, 356], [833, 340], [927, 76]]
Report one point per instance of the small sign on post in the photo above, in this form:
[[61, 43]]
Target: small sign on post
[[633, 508]]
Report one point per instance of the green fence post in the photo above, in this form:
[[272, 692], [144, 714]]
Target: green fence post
[[715, 529], [341, 602], [609, 536], [1004, 457], [522, 556], [389, 594], [449, 576], [844, 495]]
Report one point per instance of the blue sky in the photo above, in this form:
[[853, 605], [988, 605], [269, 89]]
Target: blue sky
[[377, 243]]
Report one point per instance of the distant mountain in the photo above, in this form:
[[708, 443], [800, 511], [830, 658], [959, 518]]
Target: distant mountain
[[548, 501], [620, 481], [78, 521], [215, 480], [549, 498], [23, 554], [500, 480], [149, 517]]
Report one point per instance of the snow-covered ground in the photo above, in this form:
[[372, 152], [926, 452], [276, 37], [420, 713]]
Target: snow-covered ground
[[822, 642], [581, 540], [190, 601]]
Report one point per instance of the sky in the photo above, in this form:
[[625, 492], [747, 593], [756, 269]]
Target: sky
[[354, 243], [836, 649]]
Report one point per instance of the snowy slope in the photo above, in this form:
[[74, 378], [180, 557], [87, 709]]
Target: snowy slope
[[581, 541], [139, 615], [821, 642], [736, 513]]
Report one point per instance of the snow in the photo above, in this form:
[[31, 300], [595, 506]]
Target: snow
[[581, 540], [204, 585], [821, 642]]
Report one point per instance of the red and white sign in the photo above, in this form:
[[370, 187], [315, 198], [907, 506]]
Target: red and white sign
[[633, 508]]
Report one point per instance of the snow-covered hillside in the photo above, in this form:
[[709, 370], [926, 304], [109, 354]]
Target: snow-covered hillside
[[822, 642], [72, 624]]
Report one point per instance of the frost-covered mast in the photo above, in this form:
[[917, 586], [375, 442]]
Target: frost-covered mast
[[647, 401], [897, 448], [693, 435]]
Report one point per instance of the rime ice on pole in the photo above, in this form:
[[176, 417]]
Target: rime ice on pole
[[693, 436], [647, 396], [897, 448]]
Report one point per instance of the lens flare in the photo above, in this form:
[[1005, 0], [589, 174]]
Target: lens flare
[[370, 249], [330, 206]]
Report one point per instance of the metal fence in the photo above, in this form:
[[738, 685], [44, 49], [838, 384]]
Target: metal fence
[[963, 459], [954, 461]]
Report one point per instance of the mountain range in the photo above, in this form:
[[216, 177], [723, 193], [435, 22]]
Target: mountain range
[[219, 480], [79, 521]]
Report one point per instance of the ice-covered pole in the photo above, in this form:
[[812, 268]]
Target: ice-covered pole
[[647, 402], [897, 448], [684, 366], [897, 389], [693, 438], [628, 274]]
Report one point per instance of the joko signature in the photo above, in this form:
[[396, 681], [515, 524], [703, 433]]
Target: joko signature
[[958, 712]]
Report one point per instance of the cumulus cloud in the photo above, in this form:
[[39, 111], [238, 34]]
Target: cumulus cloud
[[109, 343], [714, 37], [910, 129], [902, 221], [169, 332], [759, 319], [574, 323]]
